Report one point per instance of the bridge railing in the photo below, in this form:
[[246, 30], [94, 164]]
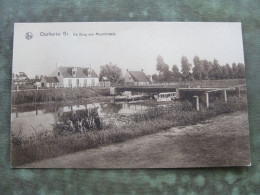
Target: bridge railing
[[195, 83]]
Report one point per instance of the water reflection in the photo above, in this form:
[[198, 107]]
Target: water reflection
[[29, 118]]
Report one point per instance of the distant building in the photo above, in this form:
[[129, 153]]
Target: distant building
[[50, 82], [136, 78], [104, 82], [75, 77], [37, 83], [149, 78]]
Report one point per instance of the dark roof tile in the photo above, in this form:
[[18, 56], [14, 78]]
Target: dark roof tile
[[138, 76], [80, 73], [51, 79]]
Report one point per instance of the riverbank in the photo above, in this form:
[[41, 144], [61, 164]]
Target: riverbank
[[219, 141], [153, 120], [88, 100], [58, 95]]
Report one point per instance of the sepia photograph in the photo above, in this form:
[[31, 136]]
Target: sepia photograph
[[110, 95]]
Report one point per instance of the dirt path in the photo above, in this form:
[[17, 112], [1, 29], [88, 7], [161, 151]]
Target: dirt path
[[221, 141]]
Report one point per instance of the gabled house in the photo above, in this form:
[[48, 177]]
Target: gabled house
[[50, 82], [76, 77], [136, 78]]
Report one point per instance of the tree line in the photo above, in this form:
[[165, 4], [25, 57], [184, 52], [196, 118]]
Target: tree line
[[199, 70]]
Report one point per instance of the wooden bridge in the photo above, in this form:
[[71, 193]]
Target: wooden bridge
[[182, 86], [201, 94]]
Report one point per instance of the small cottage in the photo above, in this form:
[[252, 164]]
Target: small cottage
[[136, 78], [104, 82], [50, 82]]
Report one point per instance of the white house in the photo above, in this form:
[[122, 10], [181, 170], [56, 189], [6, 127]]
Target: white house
[[76, 77], [136, 78]]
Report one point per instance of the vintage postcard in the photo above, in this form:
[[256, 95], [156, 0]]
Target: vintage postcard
[[129, 95]]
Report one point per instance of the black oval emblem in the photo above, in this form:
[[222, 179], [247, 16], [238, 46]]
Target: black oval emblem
[[28, 35]]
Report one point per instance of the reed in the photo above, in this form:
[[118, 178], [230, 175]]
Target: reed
[[57, 95]]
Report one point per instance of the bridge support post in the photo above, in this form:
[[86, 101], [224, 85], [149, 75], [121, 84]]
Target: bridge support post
[[177, 93], [207, 100], [238, 91], [197, 103], [225, 95], [112, 91]]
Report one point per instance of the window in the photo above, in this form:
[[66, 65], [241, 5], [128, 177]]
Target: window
[[93, 82], [70, 82], [77, 82], [73, 72]]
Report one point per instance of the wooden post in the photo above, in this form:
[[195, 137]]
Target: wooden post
[[238, 91], [197, 102], [177, 93], [225, 95], [207, 100]]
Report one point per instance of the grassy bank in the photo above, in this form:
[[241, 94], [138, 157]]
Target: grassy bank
[[57, 95], [153, 120]]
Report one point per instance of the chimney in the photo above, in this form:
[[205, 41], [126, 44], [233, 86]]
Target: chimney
[[74, 70], [142, 70], [127, 70]]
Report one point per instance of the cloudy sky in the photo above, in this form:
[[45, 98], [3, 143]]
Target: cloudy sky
[[134, 46]]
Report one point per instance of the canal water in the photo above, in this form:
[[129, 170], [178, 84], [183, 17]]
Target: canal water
[[26, 120]]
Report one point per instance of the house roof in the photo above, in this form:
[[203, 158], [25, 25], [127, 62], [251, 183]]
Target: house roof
[[51, 79], [138, 76], [80, 73]]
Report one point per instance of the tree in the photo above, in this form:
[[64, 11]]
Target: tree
[[241, 72], [21, 76], [155, 78], [112, 72], [230, 71], [224, 73], [37, 77], [185, 68], [234, 69], [176, 75], [197, 69], [163, 69], [206, 67], [215, 72]]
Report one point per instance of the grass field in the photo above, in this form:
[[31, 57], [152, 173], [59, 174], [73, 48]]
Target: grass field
[[154, 120]]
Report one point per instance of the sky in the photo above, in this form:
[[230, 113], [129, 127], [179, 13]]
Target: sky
[[130, 45]]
